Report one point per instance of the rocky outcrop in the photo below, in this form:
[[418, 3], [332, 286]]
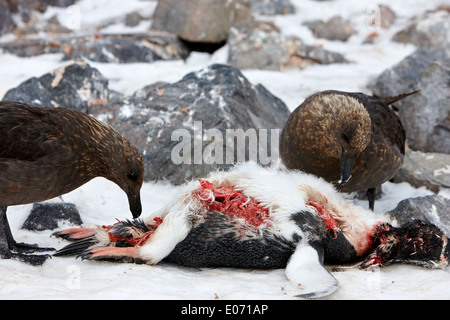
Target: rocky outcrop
[[209, 119]]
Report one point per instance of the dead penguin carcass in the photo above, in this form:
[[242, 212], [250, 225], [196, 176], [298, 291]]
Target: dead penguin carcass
[[253, 217]]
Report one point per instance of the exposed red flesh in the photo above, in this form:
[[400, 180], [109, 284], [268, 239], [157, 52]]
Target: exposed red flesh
[[135, 241], [326, 216], [231, 202]]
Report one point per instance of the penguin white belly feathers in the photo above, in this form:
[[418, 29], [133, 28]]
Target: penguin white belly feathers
[[253, 217]]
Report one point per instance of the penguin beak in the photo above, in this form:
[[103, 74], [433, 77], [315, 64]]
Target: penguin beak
[[135, 204], [347, 163]]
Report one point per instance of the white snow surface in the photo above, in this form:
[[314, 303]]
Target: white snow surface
[[101, 202]]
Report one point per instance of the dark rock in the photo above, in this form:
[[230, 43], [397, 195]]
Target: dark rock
[[48, 216], [121, 48], [75, 85], [195, 20], [431, 170], [257, 49], [424, 115], [334, 29], [148, 47], [133, 19], [433, 209], [427, 31], [6, 21], [219, 98], [271, 8]]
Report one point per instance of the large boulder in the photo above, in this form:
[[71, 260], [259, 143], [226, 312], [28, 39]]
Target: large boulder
[[210, 119], [425, 115], [195, 20]]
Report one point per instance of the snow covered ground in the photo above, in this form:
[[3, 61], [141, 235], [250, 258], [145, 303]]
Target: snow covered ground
[[100, 202]]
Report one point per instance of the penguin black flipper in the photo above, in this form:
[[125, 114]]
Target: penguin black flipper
[[306, 271]]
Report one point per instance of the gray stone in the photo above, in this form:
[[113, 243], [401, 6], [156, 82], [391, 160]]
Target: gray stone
[[431, 170], [334, 29], [75, 85], [195, 20], [257, 49], [119, 48], [48, 216], [427, 31], [149, 47], [424, 115], [433, 209]]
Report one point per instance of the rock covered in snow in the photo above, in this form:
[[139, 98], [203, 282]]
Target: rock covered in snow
[[75, 85], [184, 128], [425, 115], [428, 31], [433, 209], [145, 47], [47, 216], [257, 49], [119, 48], [431, 170]]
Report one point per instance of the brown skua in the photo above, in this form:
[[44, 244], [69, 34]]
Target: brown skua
[[351, 139], [47, 152]]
